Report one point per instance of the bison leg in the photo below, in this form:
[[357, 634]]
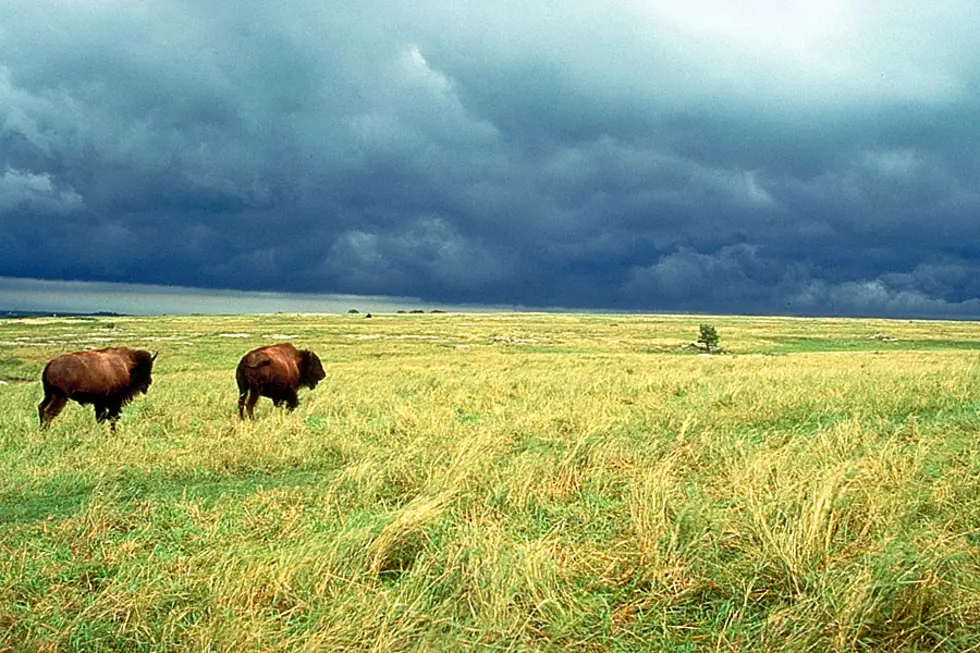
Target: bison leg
[[243, 389], [50, 406], [248, 404], [112, 412], [241, 403], [108, 411], [291, 400]]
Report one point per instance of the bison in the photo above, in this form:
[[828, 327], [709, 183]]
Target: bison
[[108, 378], [276, 372]]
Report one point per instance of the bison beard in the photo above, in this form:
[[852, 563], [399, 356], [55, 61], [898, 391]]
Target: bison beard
[[108, 378], [276, 372]]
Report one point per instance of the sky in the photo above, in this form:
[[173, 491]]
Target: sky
[[747, 157]]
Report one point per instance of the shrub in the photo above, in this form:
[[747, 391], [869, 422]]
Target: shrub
[[708, 337]]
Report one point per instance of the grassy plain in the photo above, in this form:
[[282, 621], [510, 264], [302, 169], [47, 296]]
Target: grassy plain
[[511, 482]]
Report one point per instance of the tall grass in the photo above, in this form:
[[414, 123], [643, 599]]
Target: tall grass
[[502, 482]]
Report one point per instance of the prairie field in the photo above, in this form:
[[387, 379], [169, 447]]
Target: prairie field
[[501, 482]]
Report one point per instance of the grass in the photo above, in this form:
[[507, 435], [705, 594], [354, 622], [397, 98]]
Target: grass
[[518, 482]]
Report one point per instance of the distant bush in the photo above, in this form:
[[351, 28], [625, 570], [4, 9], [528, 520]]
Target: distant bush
[[708, 337]]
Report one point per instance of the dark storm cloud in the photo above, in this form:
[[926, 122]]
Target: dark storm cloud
[[761, 156]]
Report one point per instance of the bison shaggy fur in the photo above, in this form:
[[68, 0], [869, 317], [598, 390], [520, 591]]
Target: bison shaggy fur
[[276, 372], [108, 378]]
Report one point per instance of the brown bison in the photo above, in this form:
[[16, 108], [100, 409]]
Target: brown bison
[[108, 378], [276, 372]]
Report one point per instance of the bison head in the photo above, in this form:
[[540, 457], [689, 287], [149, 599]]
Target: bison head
[[139, 371], [310, 369]]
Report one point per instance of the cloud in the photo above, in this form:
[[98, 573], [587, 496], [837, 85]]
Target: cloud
[[757, 156], [35, 193], [427, 248], [877, 298], [140, 299], [735, 278]]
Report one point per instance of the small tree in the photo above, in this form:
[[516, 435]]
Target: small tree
[[709, 337]]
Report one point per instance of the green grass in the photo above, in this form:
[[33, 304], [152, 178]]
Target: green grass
[[520, 482]]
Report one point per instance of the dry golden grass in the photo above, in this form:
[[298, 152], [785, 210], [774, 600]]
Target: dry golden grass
[[518, 482]]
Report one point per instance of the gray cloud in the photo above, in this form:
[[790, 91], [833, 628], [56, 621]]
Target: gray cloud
[[136, 299], [758, 156], [35, 193]]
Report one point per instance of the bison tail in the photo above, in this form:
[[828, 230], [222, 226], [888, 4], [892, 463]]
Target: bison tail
[[240, 377], [45, 381]]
